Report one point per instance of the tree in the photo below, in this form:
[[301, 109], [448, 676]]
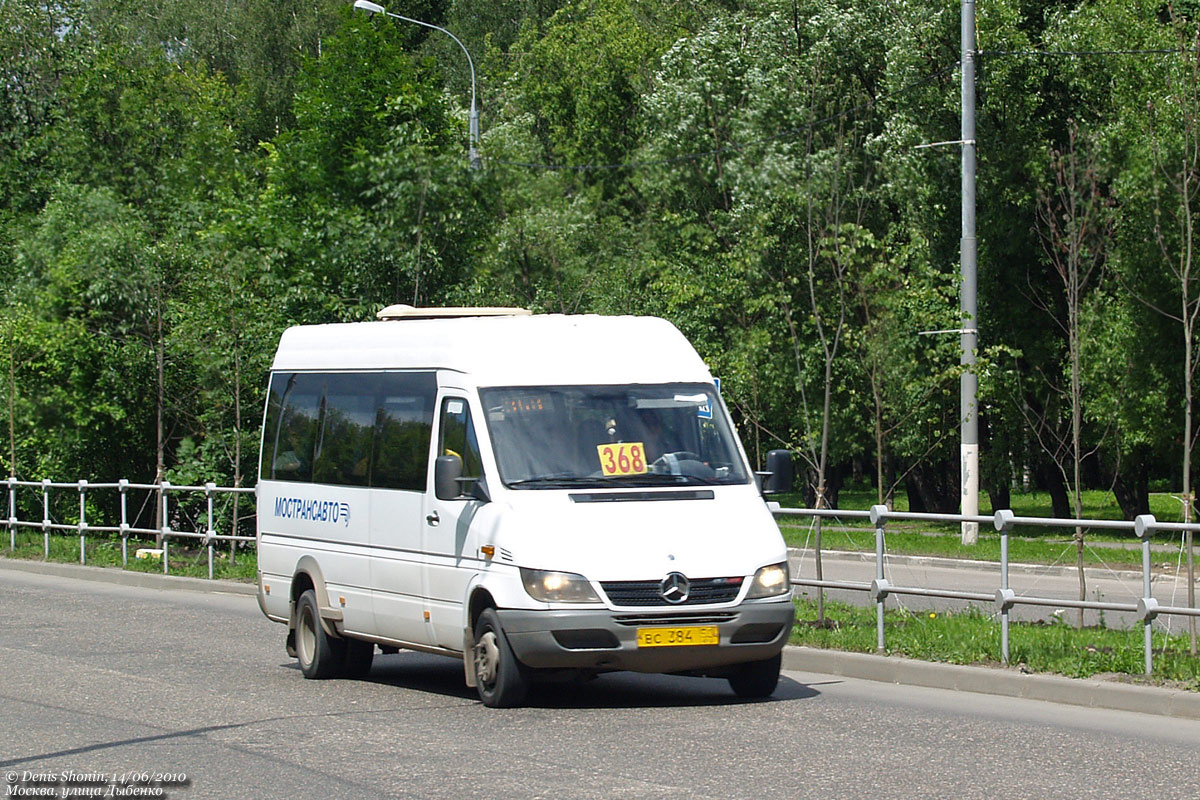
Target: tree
[[1155, 136], [88, 273], [368, 200], [1075, 224], [1175, 154]]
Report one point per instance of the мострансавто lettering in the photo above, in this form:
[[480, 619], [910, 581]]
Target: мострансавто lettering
[[313, 510]]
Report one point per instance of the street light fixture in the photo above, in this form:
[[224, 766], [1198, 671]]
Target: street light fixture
[[375, 8]]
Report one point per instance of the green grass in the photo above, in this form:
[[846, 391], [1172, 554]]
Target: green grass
[[183, 558], [972, 637]]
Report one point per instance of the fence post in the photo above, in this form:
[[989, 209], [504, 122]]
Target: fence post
[[83, 521], [12, 512], [165, 486], [1004, 597], [879, 586], [46, 518], [1143, 526], [208, 494], [123, 485]]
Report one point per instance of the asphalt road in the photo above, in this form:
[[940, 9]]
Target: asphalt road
[[113, 679]]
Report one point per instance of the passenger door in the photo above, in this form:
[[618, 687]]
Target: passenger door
[[450, 545], [400, 463]]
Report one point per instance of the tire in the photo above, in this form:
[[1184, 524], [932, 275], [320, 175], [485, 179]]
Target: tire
[[356, 661], [757, 679], [501, 680], [320, 654]]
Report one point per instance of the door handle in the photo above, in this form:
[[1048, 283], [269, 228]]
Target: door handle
[[433, 519]]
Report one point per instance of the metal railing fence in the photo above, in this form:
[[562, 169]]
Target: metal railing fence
[[163, 491], [1144, 526], [1004, 598]]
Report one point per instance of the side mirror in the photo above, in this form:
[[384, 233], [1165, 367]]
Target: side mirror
[[446, 472], [449, 483], [478, 489], [779, 473]]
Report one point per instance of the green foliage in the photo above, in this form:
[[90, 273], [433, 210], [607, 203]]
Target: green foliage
[[179, 181], [582, 76], [132, 121]]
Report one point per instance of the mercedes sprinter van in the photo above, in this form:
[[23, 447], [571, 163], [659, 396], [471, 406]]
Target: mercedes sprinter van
[[532, 494]]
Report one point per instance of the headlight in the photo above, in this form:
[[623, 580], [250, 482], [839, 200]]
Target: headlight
[[557, 587], [771, 580]]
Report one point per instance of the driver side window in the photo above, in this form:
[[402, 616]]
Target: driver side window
[[457, 437]]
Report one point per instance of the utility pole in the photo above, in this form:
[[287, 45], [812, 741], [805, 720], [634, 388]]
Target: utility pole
[[968, 300]]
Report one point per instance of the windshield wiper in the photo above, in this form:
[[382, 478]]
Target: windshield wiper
[[647, 479], [556, 481], [666, 479]]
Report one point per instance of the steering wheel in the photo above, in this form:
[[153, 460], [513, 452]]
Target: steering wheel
[[669, 460]]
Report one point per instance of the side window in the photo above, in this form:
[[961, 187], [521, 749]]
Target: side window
[[457, 436], [344, 455], [403, 430], [296, 436], [275, 392]]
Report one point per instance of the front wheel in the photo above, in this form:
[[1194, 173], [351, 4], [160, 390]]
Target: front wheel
[[757, 679], [501, 680], [320, 654]]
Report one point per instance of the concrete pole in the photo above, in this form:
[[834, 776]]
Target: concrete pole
[[969, 383]]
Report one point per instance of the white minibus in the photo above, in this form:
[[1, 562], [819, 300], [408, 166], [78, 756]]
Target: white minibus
[[537, 495]]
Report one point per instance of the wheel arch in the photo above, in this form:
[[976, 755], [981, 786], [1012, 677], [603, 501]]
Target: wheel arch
[[479, 598], [308, 575]]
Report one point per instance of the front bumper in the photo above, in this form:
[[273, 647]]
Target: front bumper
[[604, 640]]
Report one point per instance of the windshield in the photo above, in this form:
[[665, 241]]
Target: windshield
[[553, 437]]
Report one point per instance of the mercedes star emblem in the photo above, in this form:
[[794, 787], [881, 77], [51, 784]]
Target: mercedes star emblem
[[675, 587]]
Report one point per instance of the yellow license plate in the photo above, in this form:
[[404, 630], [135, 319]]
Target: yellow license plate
[[678, 637]]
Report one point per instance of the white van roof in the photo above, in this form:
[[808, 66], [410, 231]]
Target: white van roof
[[542, 349]]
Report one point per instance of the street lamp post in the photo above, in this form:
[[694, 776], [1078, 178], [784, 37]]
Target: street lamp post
[[473, 123], [969, 304]]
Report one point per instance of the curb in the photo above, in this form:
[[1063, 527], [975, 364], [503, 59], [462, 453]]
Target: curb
[[122, 577], [1003, 682]]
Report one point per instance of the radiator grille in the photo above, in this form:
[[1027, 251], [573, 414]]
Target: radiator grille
[[703, 591]]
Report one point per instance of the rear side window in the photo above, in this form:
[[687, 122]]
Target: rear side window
[[295, 436], [350, 428], [344, 447]]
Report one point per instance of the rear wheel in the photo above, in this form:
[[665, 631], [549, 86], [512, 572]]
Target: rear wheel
[[501, 680], [320, 654], [756, 679]]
